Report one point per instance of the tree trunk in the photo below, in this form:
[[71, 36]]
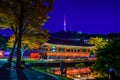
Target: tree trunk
[[18, 64], [12, 52], [23, 49]]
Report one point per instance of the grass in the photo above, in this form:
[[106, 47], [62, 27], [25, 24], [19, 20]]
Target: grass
[[30, 60]]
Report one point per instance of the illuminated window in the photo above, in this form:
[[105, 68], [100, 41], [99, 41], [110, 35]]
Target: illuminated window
[[61, 49], [78, 50], [84, 50], [68, 50], [53, 49]]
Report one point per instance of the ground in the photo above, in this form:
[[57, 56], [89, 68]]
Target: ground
[[25, 74]]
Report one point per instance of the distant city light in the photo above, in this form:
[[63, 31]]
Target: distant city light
[[80, 32]]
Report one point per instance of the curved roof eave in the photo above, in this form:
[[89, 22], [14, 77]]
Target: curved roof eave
[[68, 46]]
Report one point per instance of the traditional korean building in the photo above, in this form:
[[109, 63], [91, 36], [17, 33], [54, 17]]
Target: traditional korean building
[[63, 45]]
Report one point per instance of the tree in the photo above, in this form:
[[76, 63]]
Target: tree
[[97, 42], [30, 41], [22, 16], [108, 57], [80, 65], [3, 41]]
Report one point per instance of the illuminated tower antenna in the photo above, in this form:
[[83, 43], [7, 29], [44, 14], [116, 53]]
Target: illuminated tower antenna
[[64, 23]]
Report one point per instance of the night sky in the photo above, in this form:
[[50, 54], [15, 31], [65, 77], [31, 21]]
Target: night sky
[[90, 16]]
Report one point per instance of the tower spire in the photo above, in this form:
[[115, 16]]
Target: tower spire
[[64, 23]]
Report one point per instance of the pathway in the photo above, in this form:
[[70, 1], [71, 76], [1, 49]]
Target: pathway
[[26, 74]]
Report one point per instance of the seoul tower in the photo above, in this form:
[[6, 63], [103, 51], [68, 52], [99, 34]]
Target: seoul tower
[[64, 23]]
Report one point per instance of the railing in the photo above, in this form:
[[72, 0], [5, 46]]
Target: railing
[[74, 54]]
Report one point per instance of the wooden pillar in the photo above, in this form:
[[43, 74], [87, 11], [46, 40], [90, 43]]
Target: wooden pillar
[[64, 49], [48, 49], [56, 49], [81, 50], [70, 50], [86, 49]]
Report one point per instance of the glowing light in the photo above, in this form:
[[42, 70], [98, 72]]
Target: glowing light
[[64, 23], [1, 54], [6, 53]]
